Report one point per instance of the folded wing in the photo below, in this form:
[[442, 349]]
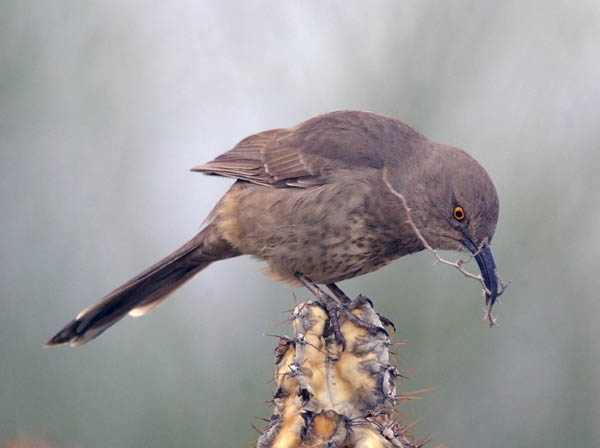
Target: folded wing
[[302, 156]]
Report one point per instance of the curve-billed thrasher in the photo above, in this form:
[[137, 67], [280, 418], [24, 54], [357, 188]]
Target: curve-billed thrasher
[[319, 202]]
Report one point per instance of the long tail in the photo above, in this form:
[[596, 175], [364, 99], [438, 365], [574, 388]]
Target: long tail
[[147, 290]]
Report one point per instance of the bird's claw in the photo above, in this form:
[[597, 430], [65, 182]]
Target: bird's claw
[[335, 309], [343, 307], [387, 322], [332, 309]]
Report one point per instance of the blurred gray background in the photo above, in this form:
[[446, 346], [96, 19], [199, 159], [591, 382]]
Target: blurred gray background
[[104, 107]]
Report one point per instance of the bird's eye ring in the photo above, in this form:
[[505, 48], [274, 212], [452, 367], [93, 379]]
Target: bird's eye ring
[[459, 213]]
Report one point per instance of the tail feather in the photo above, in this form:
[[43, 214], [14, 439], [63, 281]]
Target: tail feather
[[138, 295]]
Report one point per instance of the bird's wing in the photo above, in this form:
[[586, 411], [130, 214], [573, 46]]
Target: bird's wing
[[303, 156]]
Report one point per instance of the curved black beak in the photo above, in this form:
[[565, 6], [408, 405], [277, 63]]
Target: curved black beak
[[487, 266]]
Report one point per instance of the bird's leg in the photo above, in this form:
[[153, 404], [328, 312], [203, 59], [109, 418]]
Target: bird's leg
[[332, 307], [341, 295], [356, 303], [384, 320], [351, 304], [335, 308]]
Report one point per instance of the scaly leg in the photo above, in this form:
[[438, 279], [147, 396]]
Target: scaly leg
[[342, 297], [335, 308], [332, 307]]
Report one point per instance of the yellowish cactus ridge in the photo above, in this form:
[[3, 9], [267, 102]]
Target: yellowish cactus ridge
[[327, 396]]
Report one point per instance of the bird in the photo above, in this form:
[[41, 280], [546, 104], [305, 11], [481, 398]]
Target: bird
[[332, 198]]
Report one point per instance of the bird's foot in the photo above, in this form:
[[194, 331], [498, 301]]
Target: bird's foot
[[387, 322], [371, 328], [360, 300], [343, 307], [332, 308]]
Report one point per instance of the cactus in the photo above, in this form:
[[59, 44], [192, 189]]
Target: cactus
[[329, 397]]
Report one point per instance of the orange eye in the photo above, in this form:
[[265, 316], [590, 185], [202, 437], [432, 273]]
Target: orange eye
[[459, 213]]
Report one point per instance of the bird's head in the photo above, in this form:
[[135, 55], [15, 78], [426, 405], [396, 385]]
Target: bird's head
[[454, 204]]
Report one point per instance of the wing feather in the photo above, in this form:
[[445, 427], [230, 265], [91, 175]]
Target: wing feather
[[304, 155]]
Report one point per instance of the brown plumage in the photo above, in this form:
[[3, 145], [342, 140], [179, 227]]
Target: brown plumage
[[320, 199]]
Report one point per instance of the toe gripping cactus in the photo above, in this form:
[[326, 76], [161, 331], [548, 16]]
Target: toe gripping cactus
[[330, 397]]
